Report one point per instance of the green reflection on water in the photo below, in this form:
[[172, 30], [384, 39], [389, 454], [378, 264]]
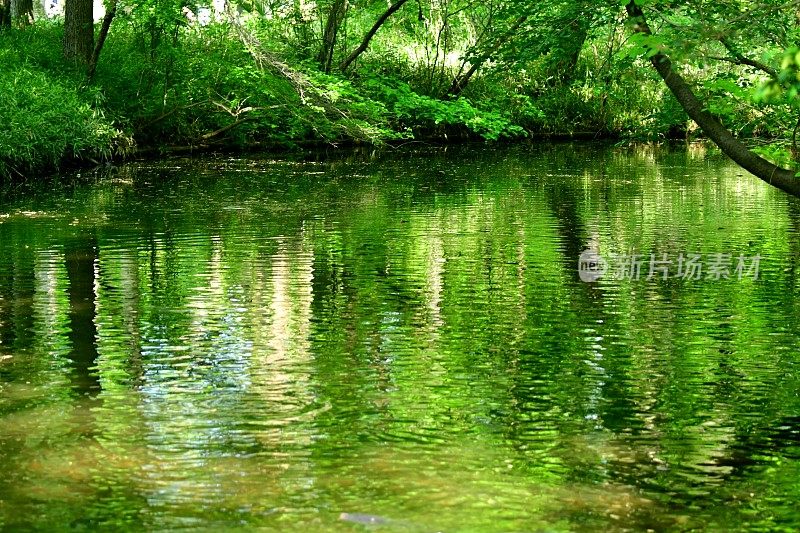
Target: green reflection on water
[[245, 343]]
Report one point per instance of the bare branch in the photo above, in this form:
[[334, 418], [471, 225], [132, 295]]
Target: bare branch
[[741, 59]]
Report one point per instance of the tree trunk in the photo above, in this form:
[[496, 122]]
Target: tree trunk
[[461, 82], [781, 178], [101, 38], [21, 12], [335, 17], [561, 70], [78, 31], [5, 14], [370, 34]]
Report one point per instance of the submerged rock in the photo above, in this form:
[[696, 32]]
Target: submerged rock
[[362, 518]]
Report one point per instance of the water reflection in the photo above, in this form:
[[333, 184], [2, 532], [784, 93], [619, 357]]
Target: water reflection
[[80, 260], [257, 343]]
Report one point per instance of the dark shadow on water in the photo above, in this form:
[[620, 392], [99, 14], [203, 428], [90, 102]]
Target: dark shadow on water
[[16, 298], [80, 255]]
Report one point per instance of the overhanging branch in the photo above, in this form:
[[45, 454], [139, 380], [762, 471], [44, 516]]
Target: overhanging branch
[[781, 178]]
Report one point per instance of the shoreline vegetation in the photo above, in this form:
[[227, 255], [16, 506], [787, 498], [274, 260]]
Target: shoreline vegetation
[[155, 77]]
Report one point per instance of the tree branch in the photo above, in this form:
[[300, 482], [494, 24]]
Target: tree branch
[[460, 82], [370, 34], [101, 40], [741, 59], [776, 176], [223, 129]]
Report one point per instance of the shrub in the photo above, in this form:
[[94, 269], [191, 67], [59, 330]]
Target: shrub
[[47, 121]]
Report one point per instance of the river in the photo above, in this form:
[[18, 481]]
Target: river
[[402, 341]]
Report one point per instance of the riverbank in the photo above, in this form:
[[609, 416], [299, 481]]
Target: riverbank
[[211, 92]]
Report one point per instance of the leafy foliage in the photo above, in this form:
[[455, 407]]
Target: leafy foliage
[[47, 121], [411, 110], [174, 72]]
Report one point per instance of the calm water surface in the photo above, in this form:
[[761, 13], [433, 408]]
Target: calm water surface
[[241, 344]]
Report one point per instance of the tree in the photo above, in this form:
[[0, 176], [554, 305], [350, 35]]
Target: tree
[[573, 23], [370, 34], [22, 12], [111, 11], [79, 31], [5, 14], [779, 177], [460, 81], [335, 17]]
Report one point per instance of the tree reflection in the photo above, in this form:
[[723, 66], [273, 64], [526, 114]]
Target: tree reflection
[[80, 258]]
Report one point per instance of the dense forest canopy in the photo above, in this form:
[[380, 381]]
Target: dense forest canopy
[[88, 81]]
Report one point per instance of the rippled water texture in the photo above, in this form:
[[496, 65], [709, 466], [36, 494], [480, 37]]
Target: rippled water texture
[[399, 342]]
